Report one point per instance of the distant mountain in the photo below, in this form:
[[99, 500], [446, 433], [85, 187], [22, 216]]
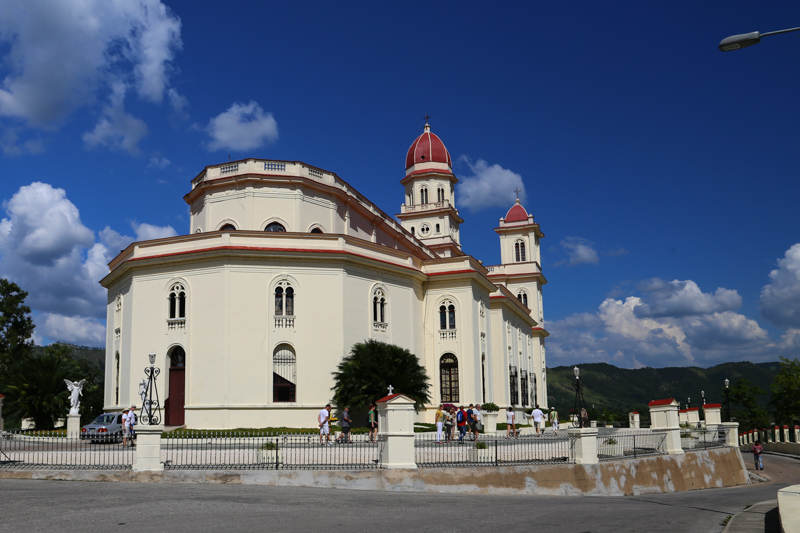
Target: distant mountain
[[93, 355], [614, 389]]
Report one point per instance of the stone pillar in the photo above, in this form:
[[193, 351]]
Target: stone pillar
[[713, 414], [664, 419], [796, 431], [776, 434], [396, 425], [585, 445], [73, 426], [785, 433], [633, 420], [693, 416], [148, 448], [732, 438], [683, 417]]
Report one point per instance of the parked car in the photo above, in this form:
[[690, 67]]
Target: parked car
[[105, 428]]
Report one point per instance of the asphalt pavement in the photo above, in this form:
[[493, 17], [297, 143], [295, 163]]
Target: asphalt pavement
[[47, 506]]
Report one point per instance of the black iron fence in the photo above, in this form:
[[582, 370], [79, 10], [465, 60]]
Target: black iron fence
[[704, 438], [55, 449], [620, 444], [243, 450], [491, 450]]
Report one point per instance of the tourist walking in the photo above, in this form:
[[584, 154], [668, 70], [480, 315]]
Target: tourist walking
[[461, 422], [372, 423], [757, 451], [345, 436], [450, 417], [538, 419], [511, 425], [324, 419], [126, 426], [478, 420], [132, 420], [554, 420], [440, 418], [471, 421]]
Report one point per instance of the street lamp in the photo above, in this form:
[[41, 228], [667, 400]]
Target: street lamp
[[734, 42], [727, 400], [151, 415], [582, 418]]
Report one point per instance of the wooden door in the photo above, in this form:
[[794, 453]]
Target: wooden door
[[174, 408]]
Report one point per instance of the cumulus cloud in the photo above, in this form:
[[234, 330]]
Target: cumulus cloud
[[61, 56], [489, 186], [116, 128], [666, 324], [46, 250], [158, 162], [579, 252], [242, 127], [780, 298]]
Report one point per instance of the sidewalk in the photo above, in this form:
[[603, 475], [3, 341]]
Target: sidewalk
[[762, 518]]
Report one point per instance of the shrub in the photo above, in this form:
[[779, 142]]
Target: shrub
[[490, 407], [270, 446], [481, 446]]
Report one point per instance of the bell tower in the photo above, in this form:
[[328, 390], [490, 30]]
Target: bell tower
[[429, 211]]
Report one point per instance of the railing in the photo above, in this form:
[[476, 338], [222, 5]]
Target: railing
[[233, 167], [498, 451], [704, 438], [447, 334], [54, 449], [380, 327], [622, 444], [421, 207], [176, 323], [272, 165], [284, 321], [242, 450]]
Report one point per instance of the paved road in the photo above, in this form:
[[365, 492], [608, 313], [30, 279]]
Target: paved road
[[47, 506]]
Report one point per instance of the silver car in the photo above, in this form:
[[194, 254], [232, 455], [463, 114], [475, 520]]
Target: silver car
[[105, 428]]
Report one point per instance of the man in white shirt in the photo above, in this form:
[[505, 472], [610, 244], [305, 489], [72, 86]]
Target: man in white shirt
[[538, 419], [126, 427], [324, 419]]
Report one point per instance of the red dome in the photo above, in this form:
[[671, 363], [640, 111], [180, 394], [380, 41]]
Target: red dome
[[427, 148], [516, 214]]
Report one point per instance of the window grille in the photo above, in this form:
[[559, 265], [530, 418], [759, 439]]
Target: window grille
[[512, 381], [448, 372]]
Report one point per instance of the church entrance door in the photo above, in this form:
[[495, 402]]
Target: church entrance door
[[174, 410]]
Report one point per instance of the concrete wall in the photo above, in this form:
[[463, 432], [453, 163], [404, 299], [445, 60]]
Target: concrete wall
[[720, 467]]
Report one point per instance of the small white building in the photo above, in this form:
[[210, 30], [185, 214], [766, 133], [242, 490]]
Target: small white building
[[286, 266]]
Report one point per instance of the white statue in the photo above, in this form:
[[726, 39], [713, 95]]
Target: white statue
[[75, 392], [143, 392]]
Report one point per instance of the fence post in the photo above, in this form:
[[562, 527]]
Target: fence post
[[664, 419], [732, 434], [713, 414], [633, 420], [584, 447], [73, 426], [396, 422], [148, 449]]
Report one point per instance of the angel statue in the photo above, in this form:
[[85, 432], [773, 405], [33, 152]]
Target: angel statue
[[75, 392], [143, 393]]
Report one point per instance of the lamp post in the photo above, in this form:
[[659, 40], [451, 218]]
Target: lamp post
[[582, 419], [727, 401], [703, 397], [688, 402], [743, 40], [151, 414]]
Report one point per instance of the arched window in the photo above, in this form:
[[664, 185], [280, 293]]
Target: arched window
[[423, 193], [228, 227], [177, 358], [439, 194], [523, 297], [447, 315], [411, 197], [284, 304], [284, 374], [379, 306], [116, 379], [316, 230], [274, 226], [177, 302], [437, 229], [412, 231], [448, 373], [519, 251]]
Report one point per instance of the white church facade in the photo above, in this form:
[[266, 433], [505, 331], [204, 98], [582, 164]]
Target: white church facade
[[286, 266]]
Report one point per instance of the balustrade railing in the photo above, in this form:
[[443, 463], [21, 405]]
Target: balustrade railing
[[490, 450]]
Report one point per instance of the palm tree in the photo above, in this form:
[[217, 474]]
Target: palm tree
[[366, 373]]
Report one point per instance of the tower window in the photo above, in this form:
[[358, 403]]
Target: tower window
[[519, 251], [177, 301], [439, 194], [379, 306], [447, 315], [228, 227], [274, 226], [284, 299], [423, 195], [523, 297]]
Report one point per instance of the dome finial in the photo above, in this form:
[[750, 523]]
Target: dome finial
[[517, 190], [427, 126]]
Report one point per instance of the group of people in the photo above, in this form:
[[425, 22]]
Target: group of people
[[468, 421], [128, 421], [537, 417], [324, 421]]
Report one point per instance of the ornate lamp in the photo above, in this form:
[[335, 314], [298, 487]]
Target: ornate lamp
[[151, 414]]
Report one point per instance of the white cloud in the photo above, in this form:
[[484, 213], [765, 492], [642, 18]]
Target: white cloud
[[71, 329], [780, 298], [579, 251], [242, 127], [158, 162], [147, 232], [628, 333], [61, 56], [489, 186], [116, 128]]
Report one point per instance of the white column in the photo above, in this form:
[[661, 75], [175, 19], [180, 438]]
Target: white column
[[396, 422], [148, 448], [664, 419], [585, 445], [713, 414]]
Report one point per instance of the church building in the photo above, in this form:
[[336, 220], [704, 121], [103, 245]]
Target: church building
[[286, 266]]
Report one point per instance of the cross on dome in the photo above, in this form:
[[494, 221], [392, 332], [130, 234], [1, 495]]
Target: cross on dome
[[390, 389]]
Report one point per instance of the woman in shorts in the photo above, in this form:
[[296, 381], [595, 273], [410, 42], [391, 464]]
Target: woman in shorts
[[372, 423]]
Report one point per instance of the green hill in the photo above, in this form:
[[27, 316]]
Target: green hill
[[616, 391], [97, 356]]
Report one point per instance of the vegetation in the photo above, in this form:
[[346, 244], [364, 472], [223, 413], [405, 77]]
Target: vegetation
[[745, 406], [786, 392], [16, 325], [490, 407], [366, 373]]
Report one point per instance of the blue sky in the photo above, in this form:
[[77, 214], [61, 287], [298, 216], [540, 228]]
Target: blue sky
[[662, 171]]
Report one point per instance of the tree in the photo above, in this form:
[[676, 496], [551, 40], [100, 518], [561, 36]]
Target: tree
[[366, 373], [16, 326], [786, 392], [745, 408]]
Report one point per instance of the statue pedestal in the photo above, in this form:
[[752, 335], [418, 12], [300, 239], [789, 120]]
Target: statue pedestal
[[73, 426]]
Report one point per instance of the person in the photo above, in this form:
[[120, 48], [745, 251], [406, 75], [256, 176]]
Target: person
[[448, 424], [471, 421], [324, 419], [757, 451], [440, 418], [345, 436], [554, 420], [478, 420], [132, 419], [538, 419], [461, 422], [510, 423], [372, 423], [126, 426]]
